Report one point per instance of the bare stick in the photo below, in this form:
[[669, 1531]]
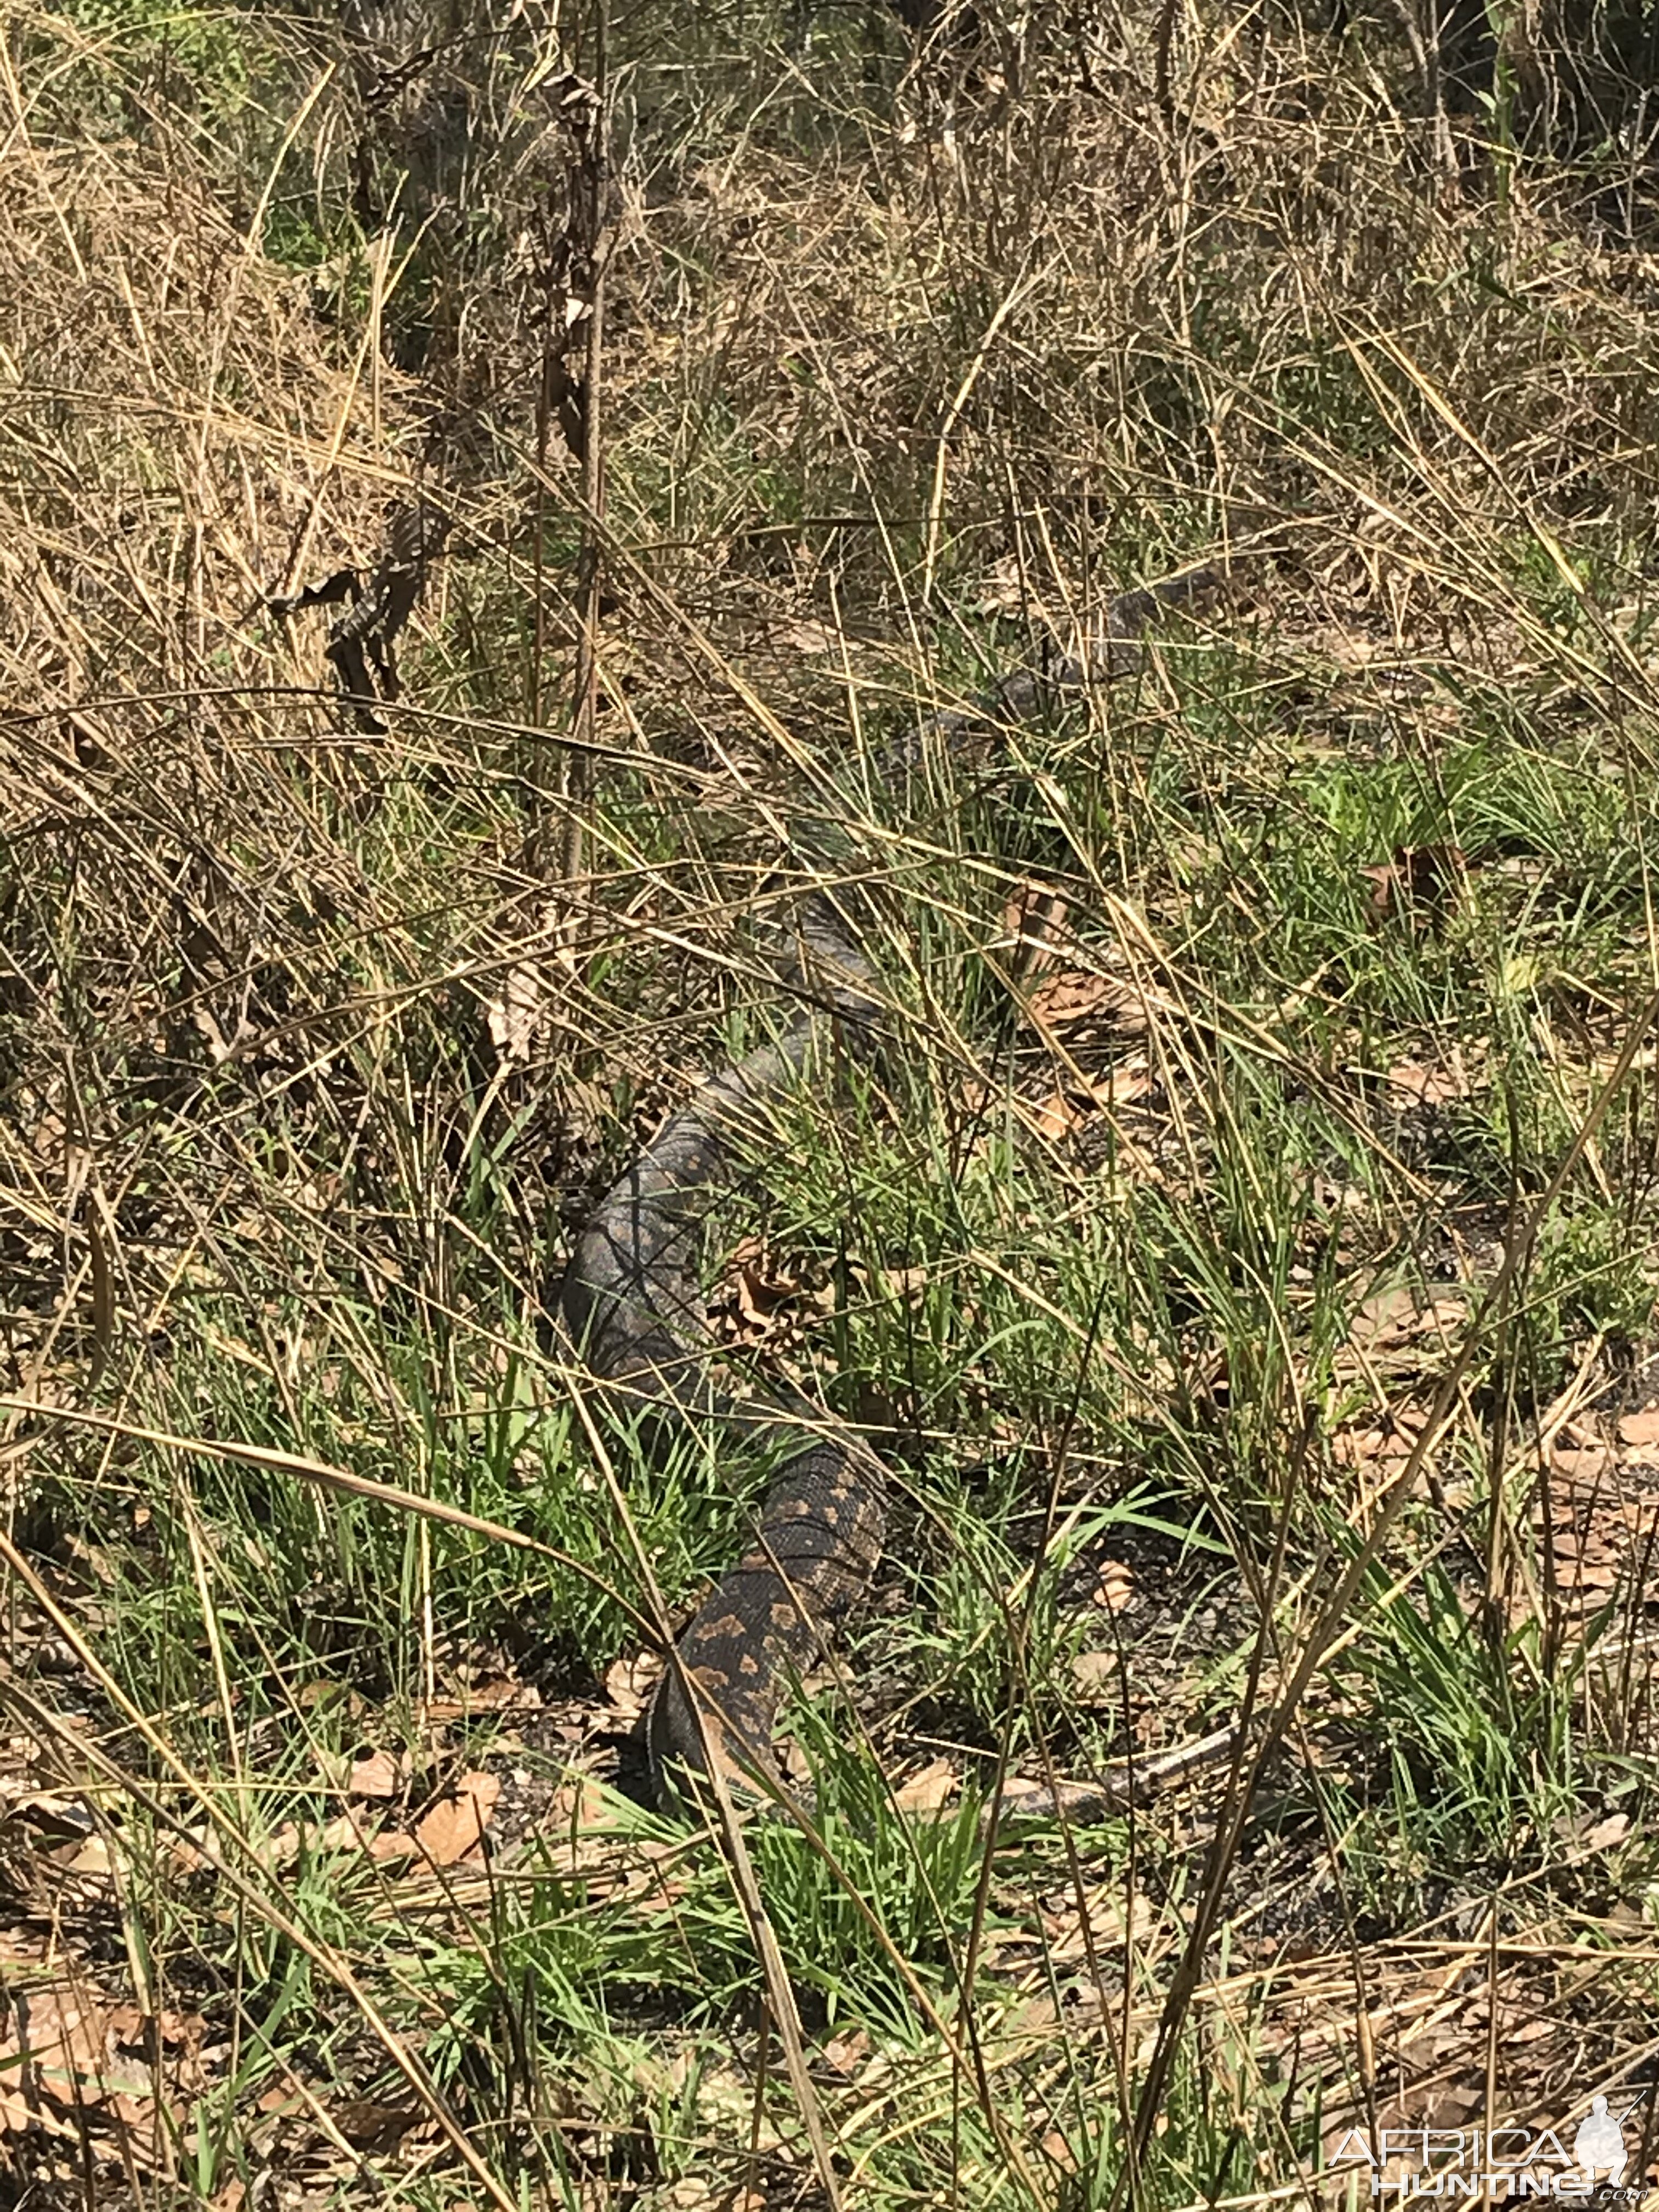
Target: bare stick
[[579, 772], [1161, 67]]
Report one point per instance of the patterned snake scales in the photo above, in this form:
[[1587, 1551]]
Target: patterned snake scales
[[635, 1309]]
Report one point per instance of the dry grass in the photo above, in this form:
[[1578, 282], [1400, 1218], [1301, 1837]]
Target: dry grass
[[1164, 1256]]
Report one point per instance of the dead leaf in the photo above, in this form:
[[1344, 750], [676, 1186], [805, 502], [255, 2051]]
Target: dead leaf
[[845, 2054], [456, 1824], [319, 1695], [515, 1017], [1393, 1317], [1068, 1109], [1587, 1527], [766, 1299], [1095, 1677], [1640, 1428], [370, 2126], [628, 1684], [575, 1806], [1585, 1466], [492, 1693], [90, 1858], [925, 1792], [1605, 1833], [346, 1831], [380, 1774], [1125, 1084], [1058, 1116], [1074, 996], [1056, 2149], [1004, 589], [1384, 1316], [1114, 1586], [1585, 1562], [1420, 882], [68, 2050], [1355, 1447], [1418, 1083], [277, 1850]]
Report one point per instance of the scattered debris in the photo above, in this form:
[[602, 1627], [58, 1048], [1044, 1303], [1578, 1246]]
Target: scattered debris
[[72, 2058], [1420, 1083], [1072, 996], [1421, 884]]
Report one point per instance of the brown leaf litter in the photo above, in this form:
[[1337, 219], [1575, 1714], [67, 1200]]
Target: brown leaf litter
[[1398, 1329], [1420, 886], [769, 1300], [1430, 1081], [1129, 1084], [72, 2058], [1593, 1510], [1596, 1510], [1403, 2035], [1073, 996]]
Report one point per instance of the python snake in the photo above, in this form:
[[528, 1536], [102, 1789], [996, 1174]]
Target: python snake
[[633, 1307]]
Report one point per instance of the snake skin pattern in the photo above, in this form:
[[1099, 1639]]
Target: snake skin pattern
[[633, 1304]]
